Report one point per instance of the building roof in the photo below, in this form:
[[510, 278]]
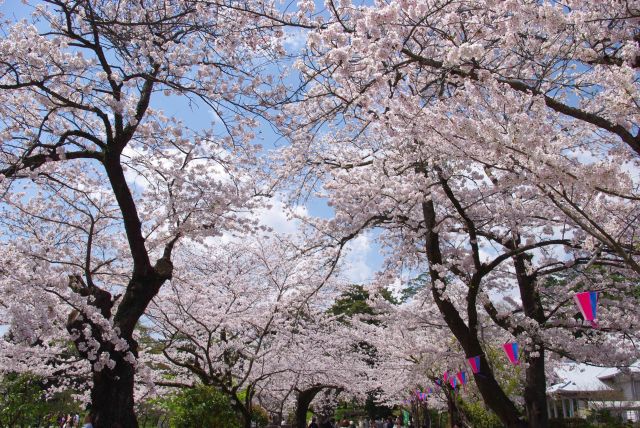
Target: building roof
[[617, 405], [576, 377], [612, 371]]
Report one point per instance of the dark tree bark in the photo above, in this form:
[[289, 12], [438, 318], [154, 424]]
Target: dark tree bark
[[303, 400], [112, 397], [112, 403], [535, 397], [245, 412], [455, 419]]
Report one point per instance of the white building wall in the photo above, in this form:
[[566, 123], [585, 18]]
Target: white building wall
[[626, 387]]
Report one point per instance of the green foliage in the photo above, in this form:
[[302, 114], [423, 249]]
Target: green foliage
[[23, 402], [479, 416], [596, 419], [354, 302], [349, 410], [575, 423], [414, 286], [151, 413], [202, 406], [260, 417], [604, 418], [374, 409]]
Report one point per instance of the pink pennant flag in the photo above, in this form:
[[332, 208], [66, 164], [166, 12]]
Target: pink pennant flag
[[445, 375], [453, 382], [474, 362], [462, 377], [587, 302], [511, 349]]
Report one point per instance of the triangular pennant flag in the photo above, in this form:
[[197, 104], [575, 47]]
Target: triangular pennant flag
[[587, 302], [462, 377], [445, 375], [474, 362], [452, 382], [511, 349]]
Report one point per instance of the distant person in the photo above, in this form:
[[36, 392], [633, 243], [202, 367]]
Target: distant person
[[427, 421], [326, 423], [88, 421], [313, 423]]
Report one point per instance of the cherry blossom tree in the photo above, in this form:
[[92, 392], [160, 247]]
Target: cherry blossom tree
[[493, 145], [99, 186], [247, 318]]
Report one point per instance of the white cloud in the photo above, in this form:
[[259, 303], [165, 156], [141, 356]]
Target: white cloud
[[357, 262], [279, 218]]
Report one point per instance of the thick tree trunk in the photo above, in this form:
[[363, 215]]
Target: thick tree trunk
[[535, 397], [246, 418], [112, 394], [495, 398], [455, 418], [112, 403], [112, 397], [304, 399], [247, 412]]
